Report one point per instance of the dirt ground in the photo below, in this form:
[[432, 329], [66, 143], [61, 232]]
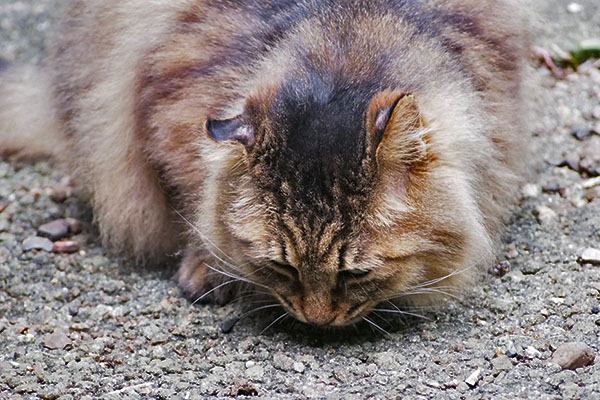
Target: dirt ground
[[89, 325]]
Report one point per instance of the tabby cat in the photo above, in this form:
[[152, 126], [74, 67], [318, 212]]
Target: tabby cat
[[338, 153]]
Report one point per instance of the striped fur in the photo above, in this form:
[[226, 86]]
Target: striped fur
[[385, 149]]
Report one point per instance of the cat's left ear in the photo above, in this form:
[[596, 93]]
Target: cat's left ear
[[395, 126], [231, 130]]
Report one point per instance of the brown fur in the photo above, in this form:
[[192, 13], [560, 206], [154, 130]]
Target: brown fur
[[385, 148]]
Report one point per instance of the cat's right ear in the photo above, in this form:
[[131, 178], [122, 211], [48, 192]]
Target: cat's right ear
[[231, 130]]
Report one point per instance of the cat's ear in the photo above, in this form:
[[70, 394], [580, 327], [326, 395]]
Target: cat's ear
[[395, 126], [234, 129]]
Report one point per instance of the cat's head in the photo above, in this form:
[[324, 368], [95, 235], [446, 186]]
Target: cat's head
[[338, 199]]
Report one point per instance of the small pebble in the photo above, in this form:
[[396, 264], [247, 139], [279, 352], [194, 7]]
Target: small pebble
[[546, 215], [451, 384], [531, 191], [573, 355], [243, 388], [591, 194], [596, 112], [56, 341], [56, 212], [66, 246], [581, 133], [54, 230], [473, 378], [228, 324], [595, 310], [299, 367], [58, 194], [591, 256], [574, 8], [511, 350], [502, 363], [75, 226], [37, 243], [532, 352], [572, 159], [501, 269], [4, 225], [591, 183], [511, 251], [551, 187], [22, 329]]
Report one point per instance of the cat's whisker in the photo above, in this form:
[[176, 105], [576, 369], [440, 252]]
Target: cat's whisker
[[251, 294], [258, 270], [423, 291], [225, 263], [374, 312], [398, 309], [365, 291], [430, 291], [402, 312], [233, 276], [244, 315], [214, 289], [202, 235], [374, 325], [258, 302], [445, 277], [428, 287], [281, 317]]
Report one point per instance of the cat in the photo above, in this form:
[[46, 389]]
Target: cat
[[335, 153]]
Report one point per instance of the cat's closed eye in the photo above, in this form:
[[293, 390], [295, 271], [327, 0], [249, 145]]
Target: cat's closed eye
[[355, 273], [285, 269]]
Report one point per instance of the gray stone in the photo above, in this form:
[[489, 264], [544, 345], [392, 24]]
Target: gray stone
[[37, 243], [283, 362], [56, 341], [255, 372], [54, 230], [501, 363], [546, 215]]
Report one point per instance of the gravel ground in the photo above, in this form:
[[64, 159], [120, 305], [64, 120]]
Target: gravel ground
[[88, 325]]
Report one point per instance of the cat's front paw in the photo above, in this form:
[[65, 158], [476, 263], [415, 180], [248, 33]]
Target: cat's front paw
[[201, 283]]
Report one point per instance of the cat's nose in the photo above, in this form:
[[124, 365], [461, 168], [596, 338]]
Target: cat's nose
[[318, 312]]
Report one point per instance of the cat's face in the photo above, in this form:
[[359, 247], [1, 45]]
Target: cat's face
[[337, 213]]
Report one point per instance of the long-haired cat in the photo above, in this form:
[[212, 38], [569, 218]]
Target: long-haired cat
[[339, 153]]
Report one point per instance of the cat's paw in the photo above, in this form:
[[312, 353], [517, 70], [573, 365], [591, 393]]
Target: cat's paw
[[203, 284]]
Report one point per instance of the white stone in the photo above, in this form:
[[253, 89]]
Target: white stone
[[473, 378], [591, 183], [299, 367], [531, 191], [546, 215], [532, 352], [591, 255], [574, 8]]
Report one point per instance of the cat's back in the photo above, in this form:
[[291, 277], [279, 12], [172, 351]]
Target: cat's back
[[136, 80]]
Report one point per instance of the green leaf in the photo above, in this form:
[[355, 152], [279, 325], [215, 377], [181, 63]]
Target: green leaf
[[587, 49]]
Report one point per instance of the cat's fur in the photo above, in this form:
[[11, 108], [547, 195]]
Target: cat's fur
[[338, 152]]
